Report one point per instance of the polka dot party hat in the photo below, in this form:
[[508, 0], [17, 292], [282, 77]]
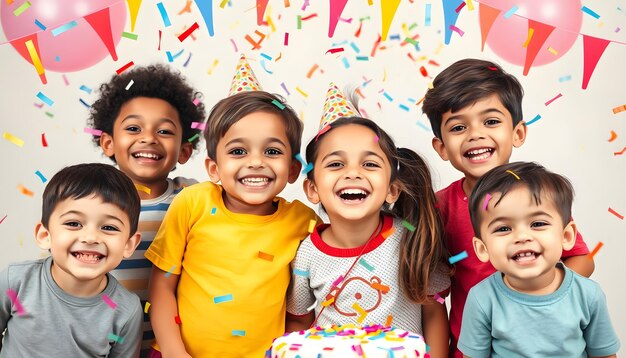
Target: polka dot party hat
[[336, 106], [244, 79]]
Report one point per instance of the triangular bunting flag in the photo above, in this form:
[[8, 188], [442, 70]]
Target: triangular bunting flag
[[28, 47], [593, 49], [487, 16], [260, 10], [540, 33], [100, 21], [336, 8], [449, 16], [206, 10], [388, 8], [133, 8]]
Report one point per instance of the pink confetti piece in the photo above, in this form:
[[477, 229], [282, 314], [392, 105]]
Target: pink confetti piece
[[286, 40], [16, 302], [109, 301], [5, 216], [196, 102], [554, 99], [67, 82], [439, 299], [486, 203], [457, 30], [620, 216], [94, 132], [198, 125], [234, 45]]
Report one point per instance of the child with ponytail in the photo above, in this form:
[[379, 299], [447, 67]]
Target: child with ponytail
[[380, 260]]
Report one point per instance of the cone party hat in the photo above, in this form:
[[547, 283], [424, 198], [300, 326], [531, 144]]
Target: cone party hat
[[244, 79], [336, 106]]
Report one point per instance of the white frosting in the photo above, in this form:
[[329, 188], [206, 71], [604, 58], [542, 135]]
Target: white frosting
[[349, 341]]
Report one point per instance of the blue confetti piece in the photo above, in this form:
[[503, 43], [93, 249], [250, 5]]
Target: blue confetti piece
[[355, 47], [84, 103], [116, 338], [346, 64], [362, 58], [389, 98], [40, 25], [239, 332], [57, 58], [164, 16], [427, 18], [213, 211], [403, 107], [300, 273], [395, 37], [590, 12], [85, 89], [268, 57], [511, 11], [43, 178], [170, 271], [307, 168], [565, 78], [187, 61], [537, 117], [61, 29], [222, 299], [365, 264], [171, 57], [458, 257], [45, 99], [423, 126]]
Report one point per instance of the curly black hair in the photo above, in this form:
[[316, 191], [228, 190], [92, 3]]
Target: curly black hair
[[153, 81]]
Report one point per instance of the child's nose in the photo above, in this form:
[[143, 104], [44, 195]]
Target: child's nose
[[353, 172], [476, 132], [90, 237], [147, 137], [255, 161], [522, 237]]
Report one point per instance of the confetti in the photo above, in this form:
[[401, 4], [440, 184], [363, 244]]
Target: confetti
[[45, 99], [16, 302], [552, 51], [234, 44], [215, 62], [361, 311], [428, 15], [109, 301], [510, 12], [194, 137], [84, 103], [554, 99], [388, 321], [63, 28], [146, 307], [486, 203], [565, 78], [286, 39], [21, 9], [590, 12], [458, 257], [169, 272], [470, 5], [513, 174], [613, 136], [620, 152], [381, 288], [265, 256], [223, 298], [125, 67], [177, 320], [595, 250], [213, 211], [302, 273], [618, 109], [457, 30], [188, 32], [537, 117], [335, 50], [143, 188], [238, 333], [130, 84], [24, 190], [93, 131], [164, 16], [116, 338], [43, 178], [40, 25], [13, 139], [312, 224], [459, 8], [304, 94], [366, 265], [439, 298], [264, 66], [1, 220], [408, 226], [620, 216], [403, 107], [159, 47], [130, 35], [85, 89], [198, 125], [531, 31]]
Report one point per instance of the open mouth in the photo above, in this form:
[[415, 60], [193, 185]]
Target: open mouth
[[353, 194], [255, 182], [479, 154], [525, 256], [88, 257], [145, 155]]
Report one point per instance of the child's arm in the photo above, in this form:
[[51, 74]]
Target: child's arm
[[163, 310], [299, 323], [435, 327], [581, 264]]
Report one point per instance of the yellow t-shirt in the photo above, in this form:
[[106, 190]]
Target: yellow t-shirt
[[234, 270]]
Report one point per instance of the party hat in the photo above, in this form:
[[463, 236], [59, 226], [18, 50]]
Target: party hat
[[244, 79], [336, 106]]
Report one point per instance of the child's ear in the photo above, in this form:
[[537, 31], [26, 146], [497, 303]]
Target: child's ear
[[294, 171], [393, 193], [519, 134], [440, 148], [569, 235], [185, 152], [311, 191], [212, 169], [480, 249], [42, 236], [131, 244], [106, 142]]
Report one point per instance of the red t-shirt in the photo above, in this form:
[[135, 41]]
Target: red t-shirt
[[453, 205]]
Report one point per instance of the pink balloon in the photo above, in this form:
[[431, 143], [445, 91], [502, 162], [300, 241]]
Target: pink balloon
[[507, 36], [75, 49]]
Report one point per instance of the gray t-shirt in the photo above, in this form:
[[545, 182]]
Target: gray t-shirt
[[52, 323]]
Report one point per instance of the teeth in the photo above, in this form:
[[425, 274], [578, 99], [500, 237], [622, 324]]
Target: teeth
[[479, 151], [255, 181], [88, 257], [525, 256], [353, 191], [146, 155]]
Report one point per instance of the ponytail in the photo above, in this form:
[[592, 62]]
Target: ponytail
[[422, 251]]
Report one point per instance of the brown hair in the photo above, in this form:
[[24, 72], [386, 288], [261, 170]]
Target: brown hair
[[92, 179], [422, 251], [533, 176], [466, 82], [231, 109]]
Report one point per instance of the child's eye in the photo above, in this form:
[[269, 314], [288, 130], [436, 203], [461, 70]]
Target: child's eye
[[273, 151], [165, 131], [492, 122], [371, 165], [72, 224], [110, 228], [539, 224], [133, 129], [334, 165], [237, 152], [457, 128], [502, 229]]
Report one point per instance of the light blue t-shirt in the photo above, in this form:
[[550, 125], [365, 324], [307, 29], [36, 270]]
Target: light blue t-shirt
[[571, 322]]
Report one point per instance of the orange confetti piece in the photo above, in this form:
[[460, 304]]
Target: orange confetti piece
[[595, 250], [25, 191], [620, 152], [618, 109], [310, 73], [380, 287], [264, 256], [143, 188], [287, 4], [531, 31], [620, 216], [328, 302], [388, 321], [613, 136]]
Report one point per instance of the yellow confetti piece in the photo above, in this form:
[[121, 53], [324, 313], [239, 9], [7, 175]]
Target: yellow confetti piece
[[302, 92], [329, 302], [513, 174], [552, 51], [146, 307], [25, 191], [431, 85], [470, 5], [223, 3], [143, 188], [312, 225], [531, 31], [361, 311], [13, 139], [215, 62]]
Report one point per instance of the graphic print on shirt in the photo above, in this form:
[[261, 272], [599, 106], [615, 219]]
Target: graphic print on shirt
[[356, 296]]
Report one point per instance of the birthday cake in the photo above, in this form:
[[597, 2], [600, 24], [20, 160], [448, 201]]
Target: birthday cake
[[349, 341]]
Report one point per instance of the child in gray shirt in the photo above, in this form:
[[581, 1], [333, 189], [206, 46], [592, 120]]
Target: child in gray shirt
[[68, 305]]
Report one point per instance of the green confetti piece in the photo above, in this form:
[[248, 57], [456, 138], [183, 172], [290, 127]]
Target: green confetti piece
[[130, 35], [408, 225]]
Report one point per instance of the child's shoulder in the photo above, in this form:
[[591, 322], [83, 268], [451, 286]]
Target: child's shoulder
[[25, 268], [296, 207]]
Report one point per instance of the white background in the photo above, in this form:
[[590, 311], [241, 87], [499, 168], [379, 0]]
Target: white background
[[571, 138]]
